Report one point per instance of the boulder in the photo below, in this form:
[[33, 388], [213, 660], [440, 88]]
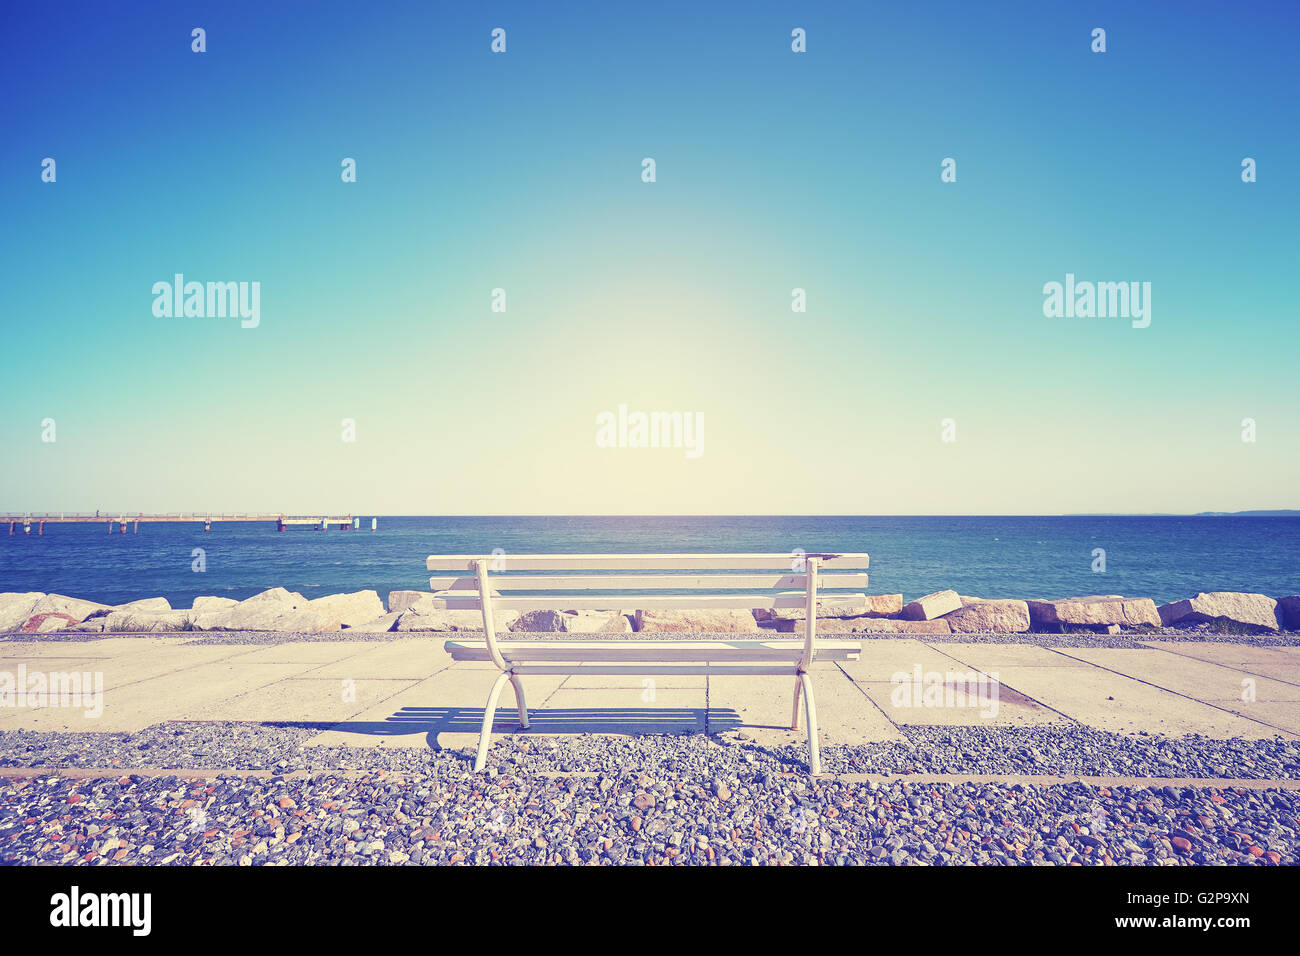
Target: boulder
[[720, 621], [577, 622], [1003, 617], [1095, 612], [378, 625], [209, 603], [70, 606], [876, 605], [401, 600], [598, 622], [351, 609], [932, 606], [873, 625], [276, 594], [47, 621], [273, 610], [1253, 611], [92, 625], [16, 607], [156, 605], [118, 620], [1290, 608], [540, 621], [426, 615]]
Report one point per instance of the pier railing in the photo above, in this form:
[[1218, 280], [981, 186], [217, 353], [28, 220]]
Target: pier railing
[[282, 520]]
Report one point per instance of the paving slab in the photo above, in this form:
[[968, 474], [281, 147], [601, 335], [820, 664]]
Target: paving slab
[[441, 711], [881, 660], [1192, 677], [580, 681], [127, 669], [1279, 663], [175, 695], [415, 659], [959, 704], [307, 652], [10, 665], [1283, 715], [764, 706], [304, 700], [987, 657], [1121, 704], [106, 647]]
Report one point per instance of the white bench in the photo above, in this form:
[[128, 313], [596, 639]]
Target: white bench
[[788, 582]]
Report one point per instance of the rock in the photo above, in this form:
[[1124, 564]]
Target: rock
[[276, 594], [16, 607], [721, 621], [1003, 617], [426, 615], [351, 609], [873, 625], [1290, 608], [539, 621], [1095, 611], [47, 622], [931, 606], [580, 622], [379, 625], [156, 605], [401, 600], [1255, 611], [118, 620], [69, 606], [875, 605], [597, 622], [272, 610], [209, 603]]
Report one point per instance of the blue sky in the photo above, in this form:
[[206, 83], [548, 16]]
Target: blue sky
[[774, 171]]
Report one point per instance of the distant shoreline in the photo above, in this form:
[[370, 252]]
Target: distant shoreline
[[1278, 513]]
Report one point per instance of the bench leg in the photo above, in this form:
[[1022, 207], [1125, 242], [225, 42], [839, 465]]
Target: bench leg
[[485, 734], [520, 702], [794, 720], [814, 749]]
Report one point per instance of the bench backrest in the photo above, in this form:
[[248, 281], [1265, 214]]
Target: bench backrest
[[639, 581]]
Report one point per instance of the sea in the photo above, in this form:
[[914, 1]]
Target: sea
[[1162, 557]]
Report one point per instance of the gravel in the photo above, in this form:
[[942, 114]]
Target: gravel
[[644, 800]]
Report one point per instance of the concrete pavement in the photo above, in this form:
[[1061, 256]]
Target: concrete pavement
[[406, 692]]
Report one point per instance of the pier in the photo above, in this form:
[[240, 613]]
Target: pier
[[120, 520]]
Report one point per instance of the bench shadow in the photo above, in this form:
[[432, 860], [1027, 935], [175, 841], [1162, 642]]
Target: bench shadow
[[629, 721]]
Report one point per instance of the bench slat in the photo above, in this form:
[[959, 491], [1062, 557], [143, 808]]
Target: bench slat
[[759, 669], [642, 562], [469, 601], [678, 582], [651, 652]]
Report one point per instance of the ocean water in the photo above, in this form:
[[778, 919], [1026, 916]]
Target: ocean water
[[1165, 558]]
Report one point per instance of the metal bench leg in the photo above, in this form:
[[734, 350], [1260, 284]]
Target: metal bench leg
[[794, 721], [485, 734], [814, 750], [520, 702]]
